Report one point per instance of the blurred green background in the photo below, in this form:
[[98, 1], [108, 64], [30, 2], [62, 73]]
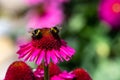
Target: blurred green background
[[97, 45]]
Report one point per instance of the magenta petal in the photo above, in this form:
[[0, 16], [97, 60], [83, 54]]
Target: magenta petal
[[48, 57], [40, 57], [28, 55], [65, 51], [69, 50], [56, 78], [24, 53], [54, 58], [24, 48], [66, 57], [25, 45], [58, 55], [66, 75], [34, 54]]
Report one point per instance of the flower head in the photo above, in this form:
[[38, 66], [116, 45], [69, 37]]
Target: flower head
[[109, 12], [19, 71], [44, 15], [45, 45]]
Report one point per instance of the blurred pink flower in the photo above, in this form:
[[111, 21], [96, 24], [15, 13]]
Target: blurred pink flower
[[36, 2], [109, 12], [45, 45], [44, 14]]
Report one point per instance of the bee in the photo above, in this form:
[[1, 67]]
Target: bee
[[39, 33], [36, 34]]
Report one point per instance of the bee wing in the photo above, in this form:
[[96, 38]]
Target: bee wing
[[59, 27]]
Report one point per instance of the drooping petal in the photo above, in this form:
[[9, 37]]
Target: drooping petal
[[34, 54], [40, 57], [48, 57], [54, 58], [58, 55], [24, 53]]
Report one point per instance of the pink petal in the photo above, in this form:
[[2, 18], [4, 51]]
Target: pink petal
[[24, 53], [34, 54], [68, 50], [67, 58], [25, 45], [23, 49], [54, 58], [48, 57], [40, 57], [65, 51], [58, 55], [71, 49]]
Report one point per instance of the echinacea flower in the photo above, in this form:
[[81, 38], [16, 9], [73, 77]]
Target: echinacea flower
[[109, 12], [46, 45], [19, 71], [44, 15]]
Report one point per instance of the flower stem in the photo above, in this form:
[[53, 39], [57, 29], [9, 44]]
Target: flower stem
[[46, 72]]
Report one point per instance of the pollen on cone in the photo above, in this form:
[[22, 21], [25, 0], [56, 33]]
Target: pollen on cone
[[19, 70]]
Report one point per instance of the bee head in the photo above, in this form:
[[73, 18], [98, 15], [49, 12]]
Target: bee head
[[54, 30], [36, 34]]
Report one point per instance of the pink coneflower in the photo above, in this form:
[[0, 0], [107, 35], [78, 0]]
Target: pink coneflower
[[109, 12], [46, 45], [44, 15], [19, 70]]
